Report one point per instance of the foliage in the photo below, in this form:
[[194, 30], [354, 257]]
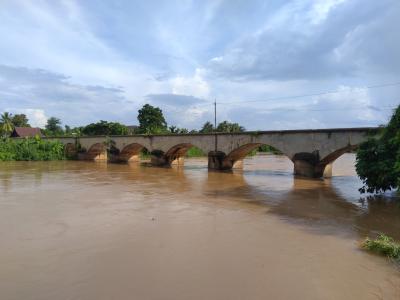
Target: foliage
[[384, 245], [30, 149], [53, 127], [6, 124], [269, 149], [176, 130], [226, 126], [151, 120], [20, 120], [378, 159], [195, 152], [104, 128], [207, 128]]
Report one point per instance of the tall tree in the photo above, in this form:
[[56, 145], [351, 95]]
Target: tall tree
[[20, 120], [6, 123], [151, 120], [53, 126], [378, 159]]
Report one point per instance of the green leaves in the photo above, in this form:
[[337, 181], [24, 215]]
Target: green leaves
[[224, 126], [151, 120], [384, 245], [31, 149], [105, 128], [6, 123], [378, 159]]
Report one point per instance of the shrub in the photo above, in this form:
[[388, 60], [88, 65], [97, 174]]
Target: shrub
[[384, 245], [30, 149]]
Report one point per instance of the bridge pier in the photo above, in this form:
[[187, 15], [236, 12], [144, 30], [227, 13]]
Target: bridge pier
[[158, 158], [309, 165], [159, 161], [128, 159], [307, 169], [217, 160]]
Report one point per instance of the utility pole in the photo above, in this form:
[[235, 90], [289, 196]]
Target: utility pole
[[215, 124]]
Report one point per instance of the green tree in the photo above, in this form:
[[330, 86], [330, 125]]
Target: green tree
[[6, 123], [378, 159], [177, 130], [67, 130], [151, 120], [207, 128], [20, 120], [104, 128], [53, 126], [226, 126]]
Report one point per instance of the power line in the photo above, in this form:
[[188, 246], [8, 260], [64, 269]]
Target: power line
[[304, 109], [325, 109], [304, 95]]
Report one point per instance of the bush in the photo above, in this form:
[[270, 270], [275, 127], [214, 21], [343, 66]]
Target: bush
[[30, 149], [384, 245]]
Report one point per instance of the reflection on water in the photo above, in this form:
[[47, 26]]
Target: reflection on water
[[84, 230]]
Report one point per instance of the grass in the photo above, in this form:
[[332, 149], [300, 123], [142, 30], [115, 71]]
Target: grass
[[383, 245]]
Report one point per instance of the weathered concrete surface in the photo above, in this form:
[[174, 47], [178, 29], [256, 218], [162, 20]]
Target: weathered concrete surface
[[310, 150]]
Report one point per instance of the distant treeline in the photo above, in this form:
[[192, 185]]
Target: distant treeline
[[151, 121]]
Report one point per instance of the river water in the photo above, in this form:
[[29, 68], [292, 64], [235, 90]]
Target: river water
[[85, 230]]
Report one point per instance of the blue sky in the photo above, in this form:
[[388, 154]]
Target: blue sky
[[83, 61]]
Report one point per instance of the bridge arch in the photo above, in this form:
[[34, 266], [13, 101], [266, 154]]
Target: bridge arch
[[97, 151], [176, 153], [311, 164], [235, 157], [131, 152], [330, 158], [70, 150]]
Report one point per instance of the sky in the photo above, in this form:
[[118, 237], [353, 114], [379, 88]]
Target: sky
[[268, 64]]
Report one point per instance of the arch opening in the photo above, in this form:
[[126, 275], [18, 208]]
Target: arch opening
[[176, 154], [70, 151], [97, 151], [132, 152], [311, 165], [330, 158], [326, 164], [235, 158]]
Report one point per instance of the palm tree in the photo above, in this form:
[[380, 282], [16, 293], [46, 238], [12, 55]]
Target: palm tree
[[6, 123]]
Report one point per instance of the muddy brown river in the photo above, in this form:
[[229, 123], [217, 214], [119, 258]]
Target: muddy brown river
[[85, 230]]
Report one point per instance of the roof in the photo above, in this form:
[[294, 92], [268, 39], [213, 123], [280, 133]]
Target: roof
[[26, 132]]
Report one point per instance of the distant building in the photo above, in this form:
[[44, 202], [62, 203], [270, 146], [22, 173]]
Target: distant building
[[26, 132]]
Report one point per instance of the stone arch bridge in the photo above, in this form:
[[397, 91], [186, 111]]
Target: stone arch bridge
[[311, 151]]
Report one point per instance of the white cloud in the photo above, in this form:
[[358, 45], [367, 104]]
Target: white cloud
[[321, 8], [37, 117], [83, 62], [194, 86]]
